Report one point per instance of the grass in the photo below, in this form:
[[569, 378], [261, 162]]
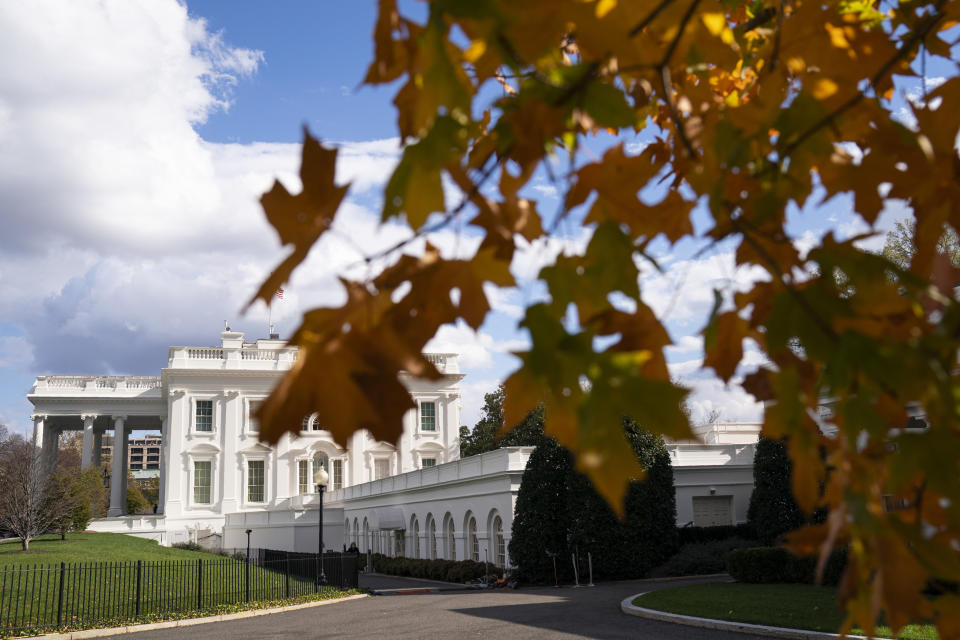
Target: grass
[[795, 606], [91, 547], [102, 586]]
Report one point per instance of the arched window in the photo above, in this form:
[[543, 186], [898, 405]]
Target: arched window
[[473, 542], [356, 531], [451, 541], [416, 539], [346, 529], [320, 459], [305, 425], [366, 536], [432, 539], [499, 544]]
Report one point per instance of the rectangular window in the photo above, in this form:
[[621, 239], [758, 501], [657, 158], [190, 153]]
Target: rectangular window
[[381, 469], [428, 462], [255, 481], [337, 474], [204, 415], [303, 477], [201, 482], [251, 418], [428, 416]]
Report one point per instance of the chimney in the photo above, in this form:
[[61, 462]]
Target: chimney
[[231, 339]]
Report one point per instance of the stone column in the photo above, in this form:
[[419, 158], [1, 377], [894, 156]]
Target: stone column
[[86, 451], [118, 496], [97, 448], [164, 438], [230, 468], [38, 424]]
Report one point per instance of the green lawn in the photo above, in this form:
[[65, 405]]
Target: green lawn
[[796, 606], [102, 584], [91, 547]]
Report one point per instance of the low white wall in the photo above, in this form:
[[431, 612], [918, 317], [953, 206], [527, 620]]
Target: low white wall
[[287, 530]]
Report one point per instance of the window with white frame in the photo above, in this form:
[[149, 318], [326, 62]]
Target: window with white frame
[[416, 539], [473, 542], [337, 474], [203, 415], [303, 476], [320, 459], [428, 462], [381, 468], [451, 541], [252, 422], [499, 544], [305, 425], [428, 416], [255, 481], [201, 481]]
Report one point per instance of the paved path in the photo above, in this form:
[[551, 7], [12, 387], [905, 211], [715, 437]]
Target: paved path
[[510, 615]]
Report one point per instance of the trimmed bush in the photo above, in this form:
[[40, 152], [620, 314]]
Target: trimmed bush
[[772, 511], [689, 535], [701, 558], [559, 513], [444, 570], [777, 565]]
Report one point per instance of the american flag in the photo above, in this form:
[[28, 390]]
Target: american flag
[[280, 293]]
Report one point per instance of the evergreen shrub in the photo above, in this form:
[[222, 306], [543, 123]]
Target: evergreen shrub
[[772, 511], [443, 570], [559, 514]]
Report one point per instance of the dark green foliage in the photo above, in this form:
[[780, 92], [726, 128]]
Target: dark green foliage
[[444, 570], [773, 511], [541, 519], [483, 436], [559, 512], [776, 564], [690, 535], [650, 508], [701, 558]]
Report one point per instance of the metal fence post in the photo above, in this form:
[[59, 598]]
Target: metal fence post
[[63, 576], [286, 572], [199, 583], [246, 579], [139, 573]]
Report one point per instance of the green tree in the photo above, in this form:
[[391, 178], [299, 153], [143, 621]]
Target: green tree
[[136, 501], [746, 110], [900, 246], [773, 510], [489, 433]]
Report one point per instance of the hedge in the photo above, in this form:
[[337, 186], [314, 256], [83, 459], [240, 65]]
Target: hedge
[[701, 558], [776, 564], [690, 535], [444, 570], [773, 510]]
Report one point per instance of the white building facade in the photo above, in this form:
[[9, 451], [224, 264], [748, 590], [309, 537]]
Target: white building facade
[[414, 497]]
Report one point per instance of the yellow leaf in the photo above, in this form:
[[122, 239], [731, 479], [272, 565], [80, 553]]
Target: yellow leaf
[[823, 88]]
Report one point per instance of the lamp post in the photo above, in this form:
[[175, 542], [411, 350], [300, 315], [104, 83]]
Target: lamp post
[[320, 478]]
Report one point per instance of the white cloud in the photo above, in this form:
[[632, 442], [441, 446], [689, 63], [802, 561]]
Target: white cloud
[[471, 393], [15, 352], [476, 348]]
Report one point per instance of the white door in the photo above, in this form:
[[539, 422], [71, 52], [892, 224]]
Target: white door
[[712, 511]]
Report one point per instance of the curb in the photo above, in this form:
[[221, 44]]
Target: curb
[[627, 607], [186, 622]]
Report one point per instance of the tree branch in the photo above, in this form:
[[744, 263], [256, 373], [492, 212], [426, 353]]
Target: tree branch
[[916, 37], [650, 17]]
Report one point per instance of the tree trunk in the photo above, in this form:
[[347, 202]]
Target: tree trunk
[[25, 543], [63, 534]]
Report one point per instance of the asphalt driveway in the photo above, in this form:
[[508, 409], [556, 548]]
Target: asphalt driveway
[[525, 613]]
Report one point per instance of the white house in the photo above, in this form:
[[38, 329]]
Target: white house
[[414, 497]]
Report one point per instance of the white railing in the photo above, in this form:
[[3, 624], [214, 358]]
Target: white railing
[[205, 353], [260, 354], [98, 383]]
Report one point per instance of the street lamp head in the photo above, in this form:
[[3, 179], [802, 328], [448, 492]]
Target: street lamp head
[[321, 477]]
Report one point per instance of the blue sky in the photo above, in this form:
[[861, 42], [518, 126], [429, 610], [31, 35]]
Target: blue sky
[[138, 137]]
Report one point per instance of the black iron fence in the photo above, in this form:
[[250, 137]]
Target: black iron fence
[[91, 594]]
